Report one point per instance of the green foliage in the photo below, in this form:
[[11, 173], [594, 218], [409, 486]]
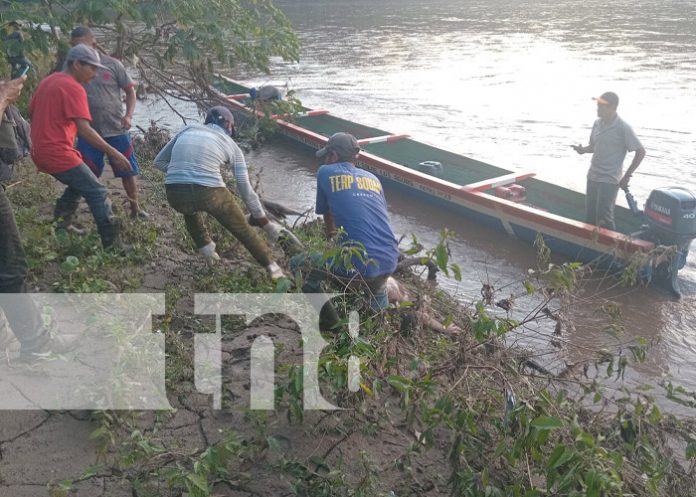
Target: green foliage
[[211, 466], [226, 31], [634, 269], [81, 263], [442, 399], [261, 126], [173, 40], [440, 254], [220, 280], [486, 326], [543, 253], [75, 263], [293, 388], [327, 481]]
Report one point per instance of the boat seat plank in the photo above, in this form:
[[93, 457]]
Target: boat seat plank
[[310, 113], [380, 139], [488, 184]]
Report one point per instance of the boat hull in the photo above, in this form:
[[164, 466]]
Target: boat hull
[[469, 187]]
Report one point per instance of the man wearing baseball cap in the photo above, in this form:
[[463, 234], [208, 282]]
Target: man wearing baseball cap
[[193, 162], [353, 199], [611, 138], [108, 118], [60, 112]]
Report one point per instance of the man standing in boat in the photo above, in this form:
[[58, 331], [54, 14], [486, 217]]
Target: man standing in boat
[[610, 140], [352, 199]]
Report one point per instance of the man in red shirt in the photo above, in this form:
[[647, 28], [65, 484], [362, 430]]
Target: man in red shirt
[[60, 112]]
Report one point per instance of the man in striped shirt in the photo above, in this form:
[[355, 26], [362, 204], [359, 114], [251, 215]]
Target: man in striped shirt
[[193, 160]]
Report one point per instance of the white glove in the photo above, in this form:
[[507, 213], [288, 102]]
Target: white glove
[[273, 230]]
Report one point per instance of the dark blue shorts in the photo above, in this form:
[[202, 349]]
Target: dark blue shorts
[[95, 158]]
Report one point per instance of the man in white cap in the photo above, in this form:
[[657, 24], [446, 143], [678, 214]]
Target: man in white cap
[[60, 112], [610, 140], [193, 160]]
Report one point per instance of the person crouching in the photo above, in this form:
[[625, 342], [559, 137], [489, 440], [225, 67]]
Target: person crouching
[[192, 161]]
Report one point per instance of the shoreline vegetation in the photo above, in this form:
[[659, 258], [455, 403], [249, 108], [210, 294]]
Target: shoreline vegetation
[[436, 413]]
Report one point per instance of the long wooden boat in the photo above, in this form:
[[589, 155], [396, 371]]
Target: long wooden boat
[[516, 202]]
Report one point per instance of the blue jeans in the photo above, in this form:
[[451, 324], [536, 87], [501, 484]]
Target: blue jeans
[[314, 274], [81, 182], [19, 308]]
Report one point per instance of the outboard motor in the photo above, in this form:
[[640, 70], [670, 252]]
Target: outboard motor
[[671, 216]]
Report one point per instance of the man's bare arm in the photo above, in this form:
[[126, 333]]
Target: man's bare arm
[[637, 159], [87, 133], [10, 91], [329, 226], [131, 99]]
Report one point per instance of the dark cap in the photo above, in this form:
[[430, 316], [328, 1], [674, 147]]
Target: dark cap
[[267, 93], [85, 54], [344, 144], [217, 114], [608, 98], [81, 32]]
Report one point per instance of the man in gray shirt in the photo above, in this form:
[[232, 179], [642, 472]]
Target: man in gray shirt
[[108, 119], [610, 140], [193, 161]]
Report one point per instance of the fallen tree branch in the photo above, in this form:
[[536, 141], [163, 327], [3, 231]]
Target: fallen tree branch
[[407, 262]]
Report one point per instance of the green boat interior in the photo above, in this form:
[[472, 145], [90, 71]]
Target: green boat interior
[[455, 168]]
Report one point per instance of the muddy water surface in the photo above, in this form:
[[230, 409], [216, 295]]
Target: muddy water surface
[[509, 82]]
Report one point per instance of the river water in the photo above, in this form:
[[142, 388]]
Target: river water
[[510, 82]]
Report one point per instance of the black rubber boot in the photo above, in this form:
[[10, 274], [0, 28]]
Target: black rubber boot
[[64, 213], [328, 318], [110, 238], [408, 322]]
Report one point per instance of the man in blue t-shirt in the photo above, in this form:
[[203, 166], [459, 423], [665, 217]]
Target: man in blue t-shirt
[[353, 200]]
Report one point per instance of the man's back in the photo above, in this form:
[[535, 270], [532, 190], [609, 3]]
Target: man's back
[[357, 204], [57, 102], [197, 156]]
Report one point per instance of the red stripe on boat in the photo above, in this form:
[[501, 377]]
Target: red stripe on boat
[[380, 139], [444, 189], [658, 217]]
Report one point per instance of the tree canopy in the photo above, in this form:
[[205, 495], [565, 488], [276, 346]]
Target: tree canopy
[[176, 45]]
